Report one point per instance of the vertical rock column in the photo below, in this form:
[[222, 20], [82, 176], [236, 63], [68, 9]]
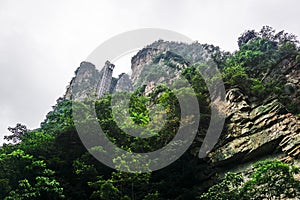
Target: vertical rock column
[[105, 79]]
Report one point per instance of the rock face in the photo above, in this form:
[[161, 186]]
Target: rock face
[[292, 87], [123, 84], [84, 83], [252, 131], [105, 79], [286, 73], [90, 82], [141, 59], [157, 63], [162, 62]]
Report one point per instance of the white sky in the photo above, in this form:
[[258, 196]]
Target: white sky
[[43, 42]]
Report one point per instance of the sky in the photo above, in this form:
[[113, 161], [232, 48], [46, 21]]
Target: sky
[[43, 42]]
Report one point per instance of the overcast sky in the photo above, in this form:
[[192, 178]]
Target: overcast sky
[[43, 42]]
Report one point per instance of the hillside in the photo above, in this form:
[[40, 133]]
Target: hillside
[[237, 115]]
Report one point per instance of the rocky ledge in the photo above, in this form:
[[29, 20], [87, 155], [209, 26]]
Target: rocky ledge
[[252, 131]]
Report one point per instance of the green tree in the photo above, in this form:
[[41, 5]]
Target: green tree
[[18, 132], [28, 177], [271, 180], [227, 189]]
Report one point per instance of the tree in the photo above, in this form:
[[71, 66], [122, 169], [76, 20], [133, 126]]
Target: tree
[[227, 189], [18, 133], [269, 179], [29, 178], [246, 37], [267, 33], [260, 60], [44, 188], [217, 55]]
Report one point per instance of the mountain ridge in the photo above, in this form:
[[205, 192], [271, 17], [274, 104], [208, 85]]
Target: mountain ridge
[[260, 105]]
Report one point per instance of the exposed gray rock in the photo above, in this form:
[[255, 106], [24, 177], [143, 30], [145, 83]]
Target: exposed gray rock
[[89, 82], [84, 83], [105, 79], [141, 59], [255, 131], [123, 84]]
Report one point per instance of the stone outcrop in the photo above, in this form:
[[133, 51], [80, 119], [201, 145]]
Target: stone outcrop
[[286, 73], [123, 84], [142, 58], [292, 87], [105, 79], [252, 131], [90, 82], [168, 57], [171, 57], [84, 84]]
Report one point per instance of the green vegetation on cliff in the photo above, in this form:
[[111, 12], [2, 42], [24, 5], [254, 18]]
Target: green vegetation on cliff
[[52, 163]]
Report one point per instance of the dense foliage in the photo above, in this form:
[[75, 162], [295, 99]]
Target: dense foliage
[[52, 163], [267, 180], [261, 54]]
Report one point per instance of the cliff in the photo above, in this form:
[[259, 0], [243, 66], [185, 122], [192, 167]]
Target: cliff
[[90, 82], [253, 128], [252, 131], [260, 105]]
